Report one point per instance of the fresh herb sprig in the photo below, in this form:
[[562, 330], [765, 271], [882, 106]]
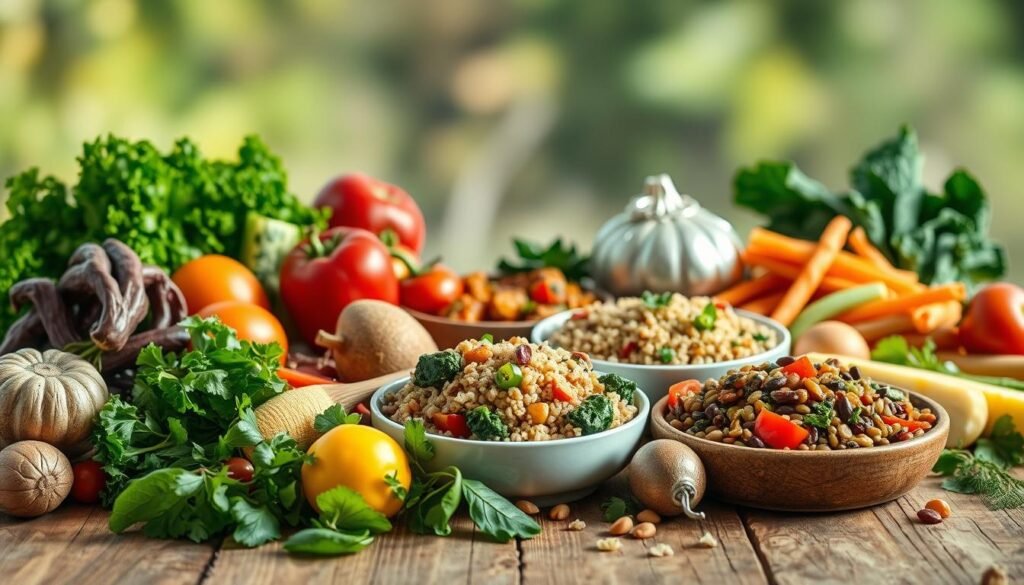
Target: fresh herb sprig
[[895, 350], [435, 497], [986, 471], [558, 254], [655, 300]]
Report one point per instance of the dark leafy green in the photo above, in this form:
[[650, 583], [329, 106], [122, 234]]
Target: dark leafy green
[[619, 385], [563, 256], [821, 415], [434, 370], [941, 236], [168, 207], [486, 424], [494, 515], [593, 415], [615, 507]]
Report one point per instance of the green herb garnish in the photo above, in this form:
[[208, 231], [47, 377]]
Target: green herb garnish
[[821, 415], [760, 337], [854, 416], [666, 355], [619, 385], [986, 471], [656, 301], [335, 416], [896, 350], [705, 321], [563, 256], [434, 370], [486, 424], [593, 415]]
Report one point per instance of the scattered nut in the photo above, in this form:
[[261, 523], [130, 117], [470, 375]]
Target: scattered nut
[[559, 512], [528, 507], [929, 516], [939, 506], [649, 516], [707, 541], [621, 526], [609, 544], [660, 550], [644, 530], [577, 525], [994, 575]]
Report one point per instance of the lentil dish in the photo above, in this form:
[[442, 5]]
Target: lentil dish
[[522, 296], [664, 329], [511, 391], [796, 404]]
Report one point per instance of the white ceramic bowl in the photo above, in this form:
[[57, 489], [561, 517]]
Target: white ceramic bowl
[[655, 379], [547, 472]]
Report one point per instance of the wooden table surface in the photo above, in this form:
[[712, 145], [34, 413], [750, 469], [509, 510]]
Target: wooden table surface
[[885, 544]]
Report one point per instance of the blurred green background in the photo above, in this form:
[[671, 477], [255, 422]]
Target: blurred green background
[[528, 117]]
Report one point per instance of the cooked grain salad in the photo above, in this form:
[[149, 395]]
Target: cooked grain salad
[[664, 329], [796, 404], [511, 391]]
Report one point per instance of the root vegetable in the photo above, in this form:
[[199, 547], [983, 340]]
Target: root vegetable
[[832, 337], [374, 338], [293, 412], [35, 478]]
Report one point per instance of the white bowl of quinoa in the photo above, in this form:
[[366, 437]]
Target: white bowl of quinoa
[[530, 421], [660, 339]]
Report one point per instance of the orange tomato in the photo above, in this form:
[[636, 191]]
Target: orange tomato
[[357, 457], [251, 322], [214, 278]]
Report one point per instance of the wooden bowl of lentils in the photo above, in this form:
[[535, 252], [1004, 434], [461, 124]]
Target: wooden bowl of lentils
[[799, 435]]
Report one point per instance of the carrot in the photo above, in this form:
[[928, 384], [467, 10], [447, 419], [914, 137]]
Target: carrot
[[751, 289], [792, 271], [954, 291], [829, 245], [773, 245], [875, 329], [863, 247], [298, 378], [928, 318], [763, 305]]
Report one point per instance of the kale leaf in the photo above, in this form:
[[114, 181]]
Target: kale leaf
[[593, 415], [434, 370], [619, 385], [486, 424]]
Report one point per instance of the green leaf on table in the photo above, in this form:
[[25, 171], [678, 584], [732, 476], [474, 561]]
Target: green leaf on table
[[256, 524], [496, 516], [327, 542], [420, 449], [334, 416], [343, 508], [433, 510], [1004, 446], [150, 496]]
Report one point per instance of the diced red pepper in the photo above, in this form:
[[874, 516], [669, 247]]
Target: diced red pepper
[[559, 394], [452, 423], [364, 412], [680, 390], [580, 315], [802, 367], [628, 349], [865, 399], [545, 292], [721, 306], [910, 425], [778, 432]]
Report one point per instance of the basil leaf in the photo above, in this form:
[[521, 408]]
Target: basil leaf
[[256, 524], [420, 449], [434, 510], [327, 542], [496, 516], [344, 508], [150, 496]]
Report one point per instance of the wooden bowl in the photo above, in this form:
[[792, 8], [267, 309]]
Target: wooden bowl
[[813, 481], [448, 333]]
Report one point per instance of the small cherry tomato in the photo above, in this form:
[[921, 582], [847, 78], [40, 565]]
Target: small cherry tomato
[[431, 291], [88, 483], [239, 469]]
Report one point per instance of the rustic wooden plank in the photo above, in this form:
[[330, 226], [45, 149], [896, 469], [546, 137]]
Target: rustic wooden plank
[[560, 556], [397, 557], [888, 543], [74, 545]]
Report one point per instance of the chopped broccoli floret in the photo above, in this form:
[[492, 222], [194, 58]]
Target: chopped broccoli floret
[[593, 415], [486, 424], [434, 370], [619, 385]]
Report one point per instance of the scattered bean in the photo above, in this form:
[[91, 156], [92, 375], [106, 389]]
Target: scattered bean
[[939, 506], [528, 507], [559, 512], [644, 530], [621, 526], [649, 516], [929, 516]]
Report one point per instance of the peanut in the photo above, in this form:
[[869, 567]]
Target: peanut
[[644, 530], [559, 512], [649, 515], [939, 506], [528, 507], [621, 526]]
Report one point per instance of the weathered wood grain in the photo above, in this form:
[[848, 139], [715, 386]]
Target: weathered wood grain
[[888, 543], [397, 557], [74, 545]]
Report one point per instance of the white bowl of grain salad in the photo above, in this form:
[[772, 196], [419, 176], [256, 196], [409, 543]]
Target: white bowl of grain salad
[[530, 421], [660, 339]]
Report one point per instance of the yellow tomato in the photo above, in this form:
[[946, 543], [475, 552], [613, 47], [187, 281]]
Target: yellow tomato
[[357, 457]]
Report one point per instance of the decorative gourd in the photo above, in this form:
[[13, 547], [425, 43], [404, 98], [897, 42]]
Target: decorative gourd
[[51, 396], [34, 479], [665, 241]]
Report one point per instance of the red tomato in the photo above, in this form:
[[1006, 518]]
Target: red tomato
[[778, 432], [452, 423], [680, 390], [995, 320], [239, 469], [250, 322], [320, 278], [214, 278], [802, 367], [88, 483], [361, 201], [433, 291]]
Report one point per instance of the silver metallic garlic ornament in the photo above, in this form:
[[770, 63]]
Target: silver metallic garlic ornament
[[665, 241]]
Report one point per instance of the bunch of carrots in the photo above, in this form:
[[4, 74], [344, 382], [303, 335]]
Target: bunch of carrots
[[791, 273]]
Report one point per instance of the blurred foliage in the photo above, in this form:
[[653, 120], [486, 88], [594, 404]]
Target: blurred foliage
[[510, 117]]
